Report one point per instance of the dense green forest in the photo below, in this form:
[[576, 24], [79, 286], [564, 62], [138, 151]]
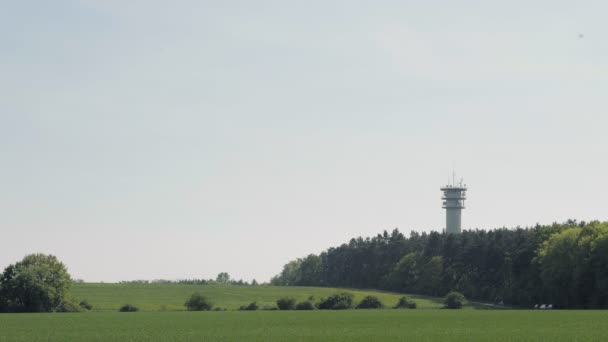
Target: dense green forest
[[563, 264]]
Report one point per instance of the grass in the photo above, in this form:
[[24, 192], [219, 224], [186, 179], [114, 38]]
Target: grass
[[428, 323], [171, 297], [350, 325]]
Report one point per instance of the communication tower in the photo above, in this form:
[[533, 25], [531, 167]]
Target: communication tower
[[454, 195]]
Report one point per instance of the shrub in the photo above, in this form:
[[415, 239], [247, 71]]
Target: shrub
[[218, 309], [305, 305], [405, 303], [286, 303], [128, 308], [454, 300], [339, 301], [370, 302], [197, 302], [85, 305], [270, 307], [250, 307], [69, 305]]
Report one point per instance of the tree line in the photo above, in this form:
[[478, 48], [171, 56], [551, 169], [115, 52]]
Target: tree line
[[222, 278], [563, 264]]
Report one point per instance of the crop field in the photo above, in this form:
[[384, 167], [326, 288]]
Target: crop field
[[349, 325], [163, 318], [171, 297]]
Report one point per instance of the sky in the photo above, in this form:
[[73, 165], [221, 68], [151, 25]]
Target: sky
[[180, 139]]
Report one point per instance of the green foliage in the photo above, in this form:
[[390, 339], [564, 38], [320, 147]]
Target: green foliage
[[430, 276], [270, 307], [574, 267], [370, 302], [223, 278], [338, 301], [249, 307], [70, 305], [198, 302], [564, 264], [405, 303], [405, 273], [454, 300], [84, 304], [304, 272], [128, 308], [305, 305], [286, 303], [38, 283]]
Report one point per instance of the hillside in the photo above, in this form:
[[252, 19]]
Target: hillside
[[171, 297]]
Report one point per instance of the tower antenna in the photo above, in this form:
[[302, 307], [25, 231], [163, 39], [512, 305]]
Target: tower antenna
[[453, 172]]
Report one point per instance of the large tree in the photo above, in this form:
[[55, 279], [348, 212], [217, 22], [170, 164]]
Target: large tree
[[38, 283], [223, 278], [573, 266]]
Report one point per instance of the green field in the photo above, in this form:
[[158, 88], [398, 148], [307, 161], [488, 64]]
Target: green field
[[428, 323], [350, 325], [171, 297]]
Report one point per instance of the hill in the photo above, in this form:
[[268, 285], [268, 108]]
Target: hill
[[171, 297]]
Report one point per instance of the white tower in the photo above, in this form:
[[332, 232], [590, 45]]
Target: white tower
[[453, 203]]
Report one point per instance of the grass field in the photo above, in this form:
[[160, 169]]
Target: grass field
[[350, 325], [171, 297], [428, 323]]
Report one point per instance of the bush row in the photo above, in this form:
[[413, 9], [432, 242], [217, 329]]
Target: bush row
[[338, 301], [341, 301]]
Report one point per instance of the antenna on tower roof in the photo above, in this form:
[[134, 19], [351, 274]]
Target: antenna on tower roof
[[453, 172]]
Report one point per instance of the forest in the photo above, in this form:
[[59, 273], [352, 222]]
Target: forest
[[563, 264]]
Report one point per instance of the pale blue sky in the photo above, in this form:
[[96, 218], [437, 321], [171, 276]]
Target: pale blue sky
[[174, 139]]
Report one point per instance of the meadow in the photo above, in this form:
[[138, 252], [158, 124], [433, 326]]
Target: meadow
[[171, 297]]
